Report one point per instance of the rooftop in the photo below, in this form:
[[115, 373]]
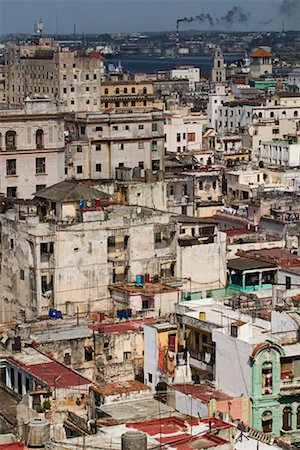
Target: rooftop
[[123, 326], [248, 264], [260, 53], [143, 288], [71, 191], [46, 369], [275, 256], [121, 387], [201, 391]]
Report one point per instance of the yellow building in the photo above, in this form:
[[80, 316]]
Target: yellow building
[[127, 91]]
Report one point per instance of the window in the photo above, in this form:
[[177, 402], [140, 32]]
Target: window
[[39, 187], [298, 417], [150, 377], [115, 128], [133, 103], [184, 210], [121, 146], [98, 167], [133, 90], [72, 89], [127, 355], [157, 238], [12, 244], [11, 167], [82, 130], [22, 274], [75, 77], [79, 169], [40, 165], [10, 140], [64, 77], [99, 129], [178, 137], [117, 91], [126, 127], [141, 145], [95, 76], [11, 191], [111, 241], [287, 419], [141, 127], [79, 149], [65, 90], [67, 358], [87, 77], [88, 353], [87, 89], [105, 104], [267, 422], [141, 164], [154, 127], [288, 282], [125, 90], [87, 102], [121, 164], [154, 146], [98, 147], [191, 137], [267, 378], [155, 164], [200, 185], [106, 91]]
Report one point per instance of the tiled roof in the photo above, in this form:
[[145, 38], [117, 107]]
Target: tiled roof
[[260, 53], [200, 391], [71, 191], [121, 388]]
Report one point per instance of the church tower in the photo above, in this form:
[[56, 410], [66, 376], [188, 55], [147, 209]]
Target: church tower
[[218, 74]]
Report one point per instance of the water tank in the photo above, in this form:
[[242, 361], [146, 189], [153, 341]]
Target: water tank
[[139, 279], [38, 433], [134, 440]]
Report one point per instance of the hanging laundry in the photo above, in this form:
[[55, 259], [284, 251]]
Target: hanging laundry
[[161, 357], [170, 364]]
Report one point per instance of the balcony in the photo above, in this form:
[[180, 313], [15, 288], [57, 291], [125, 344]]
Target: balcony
[[290, 386], [201, 360]]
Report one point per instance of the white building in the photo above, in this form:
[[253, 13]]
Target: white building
[[32, 148], [282, 153], [101, 142], [183, 132], [187, 73], [66, 247]]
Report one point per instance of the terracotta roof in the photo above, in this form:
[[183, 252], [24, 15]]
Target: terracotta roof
[[201, 391], [95, 54], [123, 326], [257, 348], [276, 256], [238, 323], [121, 387], [260, 53], [13, 446]]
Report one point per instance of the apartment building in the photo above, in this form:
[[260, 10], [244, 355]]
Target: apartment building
[[40, 67], [2, 84], [280, 152], [127, 91], [190, 73], [100, 143], [32, 148], [64, 249], [184, 132]]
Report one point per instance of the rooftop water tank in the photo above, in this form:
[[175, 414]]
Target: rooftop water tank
[[38, 433], [134, 440]]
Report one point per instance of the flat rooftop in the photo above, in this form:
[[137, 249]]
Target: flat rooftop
[[121, 388], [249, 264], [201, 391], [123, 326], [137, 410], [143, 288]]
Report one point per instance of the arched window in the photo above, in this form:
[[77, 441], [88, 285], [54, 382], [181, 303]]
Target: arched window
[[287, 419], [260, 114], [133, 90], [145, 90], [117, 91], [298, 417], [10, 140], [125, 90], [39, 138], [267, 378], [267, 422], [295, 113], [283, 113], [106, 91]]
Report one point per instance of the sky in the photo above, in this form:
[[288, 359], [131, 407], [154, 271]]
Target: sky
[[112, 16]]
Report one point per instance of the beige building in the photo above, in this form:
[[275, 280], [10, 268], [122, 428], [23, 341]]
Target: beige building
[[32, 148], [42, 68], [66, 248], [100, 143], [261, 62], [127, 91], [2, 84]]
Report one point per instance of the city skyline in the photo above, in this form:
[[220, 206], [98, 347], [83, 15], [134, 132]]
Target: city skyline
[[63, 17]]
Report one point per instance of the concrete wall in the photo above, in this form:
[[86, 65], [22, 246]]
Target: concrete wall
[[150, 356], [233, 372]]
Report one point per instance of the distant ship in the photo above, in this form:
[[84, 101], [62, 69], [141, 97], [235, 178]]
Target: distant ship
[[243, 65], [108, 51]]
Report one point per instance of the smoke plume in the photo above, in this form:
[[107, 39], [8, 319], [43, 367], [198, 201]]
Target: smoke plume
[[202, 18], [234, 15]]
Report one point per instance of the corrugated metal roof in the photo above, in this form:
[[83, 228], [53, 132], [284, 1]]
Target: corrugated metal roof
[[71, 191]]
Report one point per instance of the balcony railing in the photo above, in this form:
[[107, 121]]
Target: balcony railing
[[204, 357], [290, 385]]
